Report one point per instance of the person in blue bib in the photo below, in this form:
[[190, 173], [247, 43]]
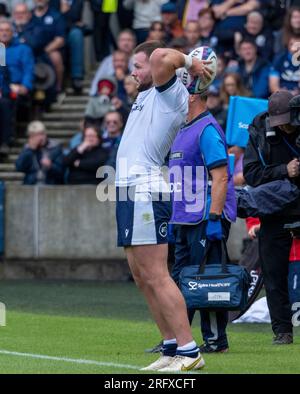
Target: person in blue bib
[[204, 205]]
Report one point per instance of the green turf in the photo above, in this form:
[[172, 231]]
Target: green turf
[[110, 323]]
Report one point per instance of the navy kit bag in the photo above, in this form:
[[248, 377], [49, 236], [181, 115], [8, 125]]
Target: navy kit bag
[[215, 286]]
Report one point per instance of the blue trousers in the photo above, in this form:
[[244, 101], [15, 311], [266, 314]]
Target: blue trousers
[[190, 242], [76, 46]]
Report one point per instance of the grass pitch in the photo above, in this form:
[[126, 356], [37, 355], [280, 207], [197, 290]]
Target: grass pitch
[[88, 327]]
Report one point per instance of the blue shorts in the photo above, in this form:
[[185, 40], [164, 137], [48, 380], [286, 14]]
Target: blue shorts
[[142, 216]]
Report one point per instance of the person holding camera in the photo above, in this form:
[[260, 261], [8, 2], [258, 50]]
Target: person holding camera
[[273, 153]]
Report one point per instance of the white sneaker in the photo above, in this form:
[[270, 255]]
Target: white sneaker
[[182, 363], [162, 362]]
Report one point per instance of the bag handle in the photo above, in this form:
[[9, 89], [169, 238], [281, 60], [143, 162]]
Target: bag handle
[[224, 257]]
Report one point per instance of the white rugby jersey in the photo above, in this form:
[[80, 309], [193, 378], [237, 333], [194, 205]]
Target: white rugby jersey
[[155, 118]]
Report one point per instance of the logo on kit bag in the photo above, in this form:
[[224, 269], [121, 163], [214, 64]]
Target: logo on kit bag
[[193, 285], [198, 285]]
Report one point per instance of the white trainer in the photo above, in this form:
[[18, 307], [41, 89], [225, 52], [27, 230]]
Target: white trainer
[[162, 362], [182, 363]]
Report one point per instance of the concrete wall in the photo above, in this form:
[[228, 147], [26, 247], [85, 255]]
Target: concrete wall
[[63, 222], [65, 232]]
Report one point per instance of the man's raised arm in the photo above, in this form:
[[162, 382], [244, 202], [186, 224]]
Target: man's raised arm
[[165, 61]]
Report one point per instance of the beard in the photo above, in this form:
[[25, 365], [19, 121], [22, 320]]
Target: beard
[[144, 86]]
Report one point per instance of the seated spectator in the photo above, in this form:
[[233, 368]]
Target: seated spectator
[[285, 73], [100, 104], [53, 28], [231, 15], [232, 86], [120, 68], [171, 22], [73, 14], [126, 43], [207, 33], [180, 44], [17, 81], [157, 32], [214, 105], [255, 31], [291, 28], [124, 106], [253, 69], [84, 160], [192, 35], [144, 13], [112, 134], [41, 160], [32, 34], [27, 32]]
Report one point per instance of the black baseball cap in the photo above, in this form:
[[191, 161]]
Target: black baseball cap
[[278, 108]]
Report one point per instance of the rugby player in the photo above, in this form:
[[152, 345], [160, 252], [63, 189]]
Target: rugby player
[[143, 206]]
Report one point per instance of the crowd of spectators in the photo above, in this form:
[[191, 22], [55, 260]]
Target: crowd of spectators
[[257, 42]]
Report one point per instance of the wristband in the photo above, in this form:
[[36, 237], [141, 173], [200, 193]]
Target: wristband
[[188, 61], [214, 217]]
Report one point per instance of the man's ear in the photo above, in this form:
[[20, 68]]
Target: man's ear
[[193, 98]]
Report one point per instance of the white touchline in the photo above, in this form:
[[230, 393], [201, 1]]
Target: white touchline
[[69, 360], [80, 361]]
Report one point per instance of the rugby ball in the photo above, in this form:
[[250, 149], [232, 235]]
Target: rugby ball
[[199, 85]]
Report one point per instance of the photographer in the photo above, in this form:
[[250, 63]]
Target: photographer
[[273, 153]]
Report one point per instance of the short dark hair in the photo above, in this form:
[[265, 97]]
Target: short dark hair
[[248, 40], [149, 47], [207, 10]]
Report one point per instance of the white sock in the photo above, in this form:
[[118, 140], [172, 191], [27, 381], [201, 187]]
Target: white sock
[[170, 341], [189, 346]]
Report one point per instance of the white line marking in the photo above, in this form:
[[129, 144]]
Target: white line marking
[[79, 361], [69, 360]]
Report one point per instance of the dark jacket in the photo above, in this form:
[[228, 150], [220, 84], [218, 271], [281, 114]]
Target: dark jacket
[[33, 35], [75, 13], [257, 81], [4, 81], [89, 162], [96, 5], [266, 158], [263, 40], [29, 162]]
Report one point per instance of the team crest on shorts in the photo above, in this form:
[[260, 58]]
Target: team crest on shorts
[[163, 230]]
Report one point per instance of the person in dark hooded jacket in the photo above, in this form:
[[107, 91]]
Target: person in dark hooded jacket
[[273, 153]]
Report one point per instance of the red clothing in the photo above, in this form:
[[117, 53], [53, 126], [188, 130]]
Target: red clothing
[[295, 250], [251, 222]]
